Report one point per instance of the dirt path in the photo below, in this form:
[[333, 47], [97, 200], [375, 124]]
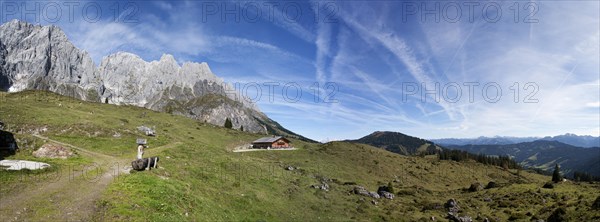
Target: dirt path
[[70, 197]]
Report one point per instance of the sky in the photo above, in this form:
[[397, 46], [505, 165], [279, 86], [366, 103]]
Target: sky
[[332, 70]]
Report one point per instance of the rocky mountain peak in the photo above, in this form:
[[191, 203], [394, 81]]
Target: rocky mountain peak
[[42, 58]]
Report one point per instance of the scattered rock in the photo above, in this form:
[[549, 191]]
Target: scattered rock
[[387, 195], [361, 191], [53, 151], [374, 202], [323, 186], [147, 130], [432, 218], [455, 218], [117, 135], [290, 168], [23, 164], [487, 199], [452, 206], [475, 187], [374, 195]]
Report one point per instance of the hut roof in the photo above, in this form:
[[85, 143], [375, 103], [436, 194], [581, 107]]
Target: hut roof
[[269, 139]]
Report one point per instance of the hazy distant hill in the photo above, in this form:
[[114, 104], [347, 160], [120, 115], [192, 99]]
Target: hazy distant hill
[[398, 143], [585, 141], [544, 154], [575, 140]]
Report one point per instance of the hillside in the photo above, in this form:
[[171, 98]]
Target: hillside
[[200, 179], [545, 154], [398, 143]]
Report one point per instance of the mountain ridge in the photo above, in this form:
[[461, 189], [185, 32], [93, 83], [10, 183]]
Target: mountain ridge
[[584, 141], [398, 143], [42, 58], [544, 154]]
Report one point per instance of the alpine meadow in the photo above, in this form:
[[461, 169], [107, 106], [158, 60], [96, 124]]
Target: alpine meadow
[[299, 110]]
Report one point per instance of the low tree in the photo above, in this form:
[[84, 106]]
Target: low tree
[[228, 123], [242, 128], [556, 177], [391, 188]]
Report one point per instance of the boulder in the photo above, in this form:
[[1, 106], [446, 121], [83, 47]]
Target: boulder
[[475, 187], [374, 195], [145, 163], [386, 195], [452, 206], [53, 151], [361, 191], [147, 130], [323, 186], [455, 218]]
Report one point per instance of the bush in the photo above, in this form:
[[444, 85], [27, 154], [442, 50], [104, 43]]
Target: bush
[[548, 185], [389, 188], [475, 187], [558, 215], [228, 123], [491, 185], [596, 204]]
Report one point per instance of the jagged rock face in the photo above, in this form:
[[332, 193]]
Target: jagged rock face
[[163, 85], [41, 57], [4, 83], [130, 80]]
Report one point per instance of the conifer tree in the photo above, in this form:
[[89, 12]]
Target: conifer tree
[[228, 123], [556, 177]]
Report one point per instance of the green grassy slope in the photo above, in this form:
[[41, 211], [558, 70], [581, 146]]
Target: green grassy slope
[[200, 179]]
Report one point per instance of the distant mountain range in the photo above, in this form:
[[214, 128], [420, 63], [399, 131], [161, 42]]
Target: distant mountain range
[[544, 154], [569, 138], [398, 143]]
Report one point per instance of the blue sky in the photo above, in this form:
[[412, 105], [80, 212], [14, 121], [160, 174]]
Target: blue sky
[[376, 63]]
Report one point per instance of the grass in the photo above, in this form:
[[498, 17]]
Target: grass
[[14, 181], [200, 179]]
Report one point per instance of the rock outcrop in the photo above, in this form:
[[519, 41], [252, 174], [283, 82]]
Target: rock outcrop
[[53, 151], [41, 57]]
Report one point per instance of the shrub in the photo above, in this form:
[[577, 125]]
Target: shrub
[[548, 185], [475, 187], [228, 123], [558, 215], [491, 185], [596, 204]]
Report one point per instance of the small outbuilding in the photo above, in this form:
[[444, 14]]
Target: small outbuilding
[[141, 141], [271, 142]]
